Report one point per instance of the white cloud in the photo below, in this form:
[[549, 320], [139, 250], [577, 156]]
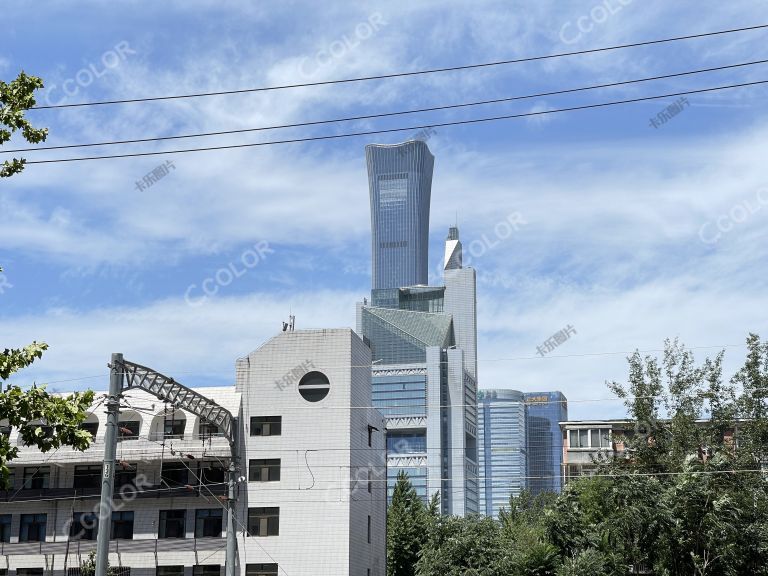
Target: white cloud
[[611, 243]]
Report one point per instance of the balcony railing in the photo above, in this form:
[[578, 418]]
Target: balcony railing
[[122, 492], [137, 546]]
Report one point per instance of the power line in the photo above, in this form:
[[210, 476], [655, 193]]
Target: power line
[[480, 360], [226, 511], [406, 74], [387, 114], [461, 489], [405, 129]]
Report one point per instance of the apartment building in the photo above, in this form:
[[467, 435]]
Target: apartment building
[[312, 476]]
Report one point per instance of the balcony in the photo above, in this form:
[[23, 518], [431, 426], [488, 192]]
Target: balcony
[[141, 448], [138, 546], [125, 493]]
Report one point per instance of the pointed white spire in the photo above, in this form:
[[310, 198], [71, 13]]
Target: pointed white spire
[[453, 252]]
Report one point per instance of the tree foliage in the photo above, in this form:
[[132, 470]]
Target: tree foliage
[[409, 525], [686, 496], [44, 420], [16, 97], [88, 566]]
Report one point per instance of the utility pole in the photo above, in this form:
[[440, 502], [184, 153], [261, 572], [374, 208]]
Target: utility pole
[[229, 565], [108, 475]]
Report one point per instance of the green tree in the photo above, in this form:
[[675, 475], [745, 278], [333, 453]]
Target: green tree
[[683, 499], [752, 404], [464, 546], [88, 566], [524, 536], [16, 97], [28, 409], [409, 523]]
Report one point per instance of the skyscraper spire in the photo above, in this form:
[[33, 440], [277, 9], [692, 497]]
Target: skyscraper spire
[[453, 251]]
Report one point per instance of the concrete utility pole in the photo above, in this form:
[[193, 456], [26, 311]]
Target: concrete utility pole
[[108, 475], [229, 563]]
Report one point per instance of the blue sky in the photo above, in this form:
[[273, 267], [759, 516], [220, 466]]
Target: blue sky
[[631, 234]]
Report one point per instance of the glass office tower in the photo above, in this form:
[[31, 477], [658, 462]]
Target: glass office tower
[[545, 440], [423, 339], [400, 186], [502, 448]]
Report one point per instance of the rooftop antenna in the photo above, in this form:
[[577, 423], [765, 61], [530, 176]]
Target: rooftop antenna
[[291, 324]]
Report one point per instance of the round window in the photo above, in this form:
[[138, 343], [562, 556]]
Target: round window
[[314, 386]]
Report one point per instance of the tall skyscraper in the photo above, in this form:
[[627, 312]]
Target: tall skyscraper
[[545, 441], [502, 448], [400, 186], [422, 338], [461, 299]]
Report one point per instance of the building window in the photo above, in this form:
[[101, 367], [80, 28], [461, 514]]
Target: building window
[[169, 571], [212, 473], [208, 523], [264, 470], [32, 527], [120, 571], [122, 525], [207, 570], [406, 443], [601, 438], [370, 480], [369, 529], [5, 527], [579, 438], [314, 386], [266, 425], [172, 524], [174, 474], [11, 480], [207, 430], [128, 430], [90, 427], [595, 438], [37, 478], [174, 427], [87, 477], [261, 570], [29, 572], [84, 526], [263, 521], [125, 475]]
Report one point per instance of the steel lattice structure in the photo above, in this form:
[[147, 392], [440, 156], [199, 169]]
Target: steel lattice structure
[[167, 389]]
